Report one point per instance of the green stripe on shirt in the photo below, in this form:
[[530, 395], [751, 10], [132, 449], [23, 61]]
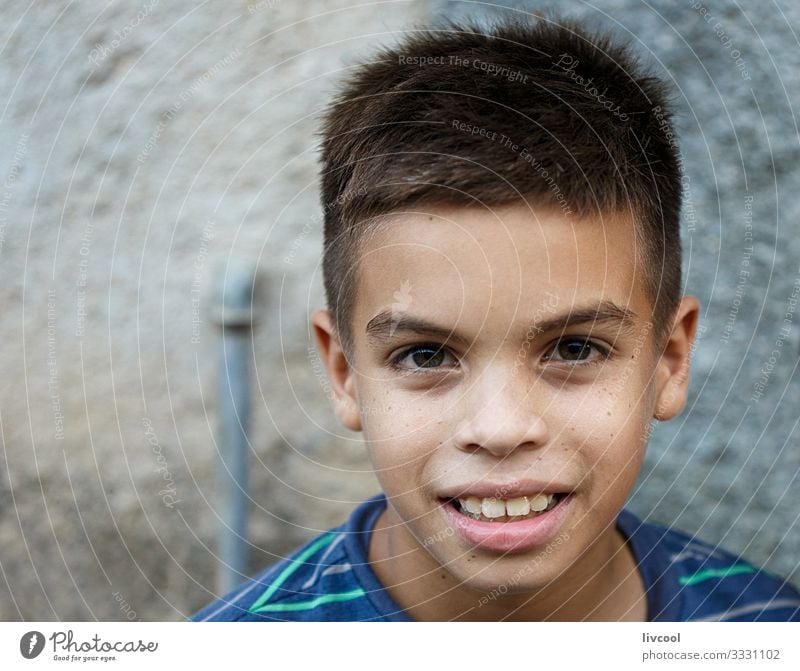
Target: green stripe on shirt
[[312, 603], [724, 572], [295, 564]]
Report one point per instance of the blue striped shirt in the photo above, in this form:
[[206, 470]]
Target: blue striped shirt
[[330, 579]]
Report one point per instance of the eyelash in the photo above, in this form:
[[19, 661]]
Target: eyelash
[[603, 352]]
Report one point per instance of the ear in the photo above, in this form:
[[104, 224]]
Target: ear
[[340, 373], [672, 370]]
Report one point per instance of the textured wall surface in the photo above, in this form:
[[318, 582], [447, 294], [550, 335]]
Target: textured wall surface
[[147, 146], [144, 147]]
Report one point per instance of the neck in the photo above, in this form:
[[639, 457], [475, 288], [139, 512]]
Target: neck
[[611, 588]]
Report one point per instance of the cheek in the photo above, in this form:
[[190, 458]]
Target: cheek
[[404, 418], [618, 455], [611, 427], [399, 442]]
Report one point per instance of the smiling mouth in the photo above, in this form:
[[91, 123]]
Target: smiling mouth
[[505, 510]]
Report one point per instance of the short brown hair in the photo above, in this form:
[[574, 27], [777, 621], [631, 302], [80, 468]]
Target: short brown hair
[[434, 119]]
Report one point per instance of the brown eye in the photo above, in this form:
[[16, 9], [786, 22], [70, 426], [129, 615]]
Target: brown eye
[[574, 350], [577, 350], [420, 357]]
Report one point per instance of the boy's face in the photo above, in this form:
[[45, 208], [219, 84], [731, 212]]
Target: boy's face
[[537, 374]]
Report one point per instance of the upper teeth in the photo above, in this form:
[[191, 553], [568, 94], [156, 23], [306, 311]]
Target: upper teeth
[[493, 507]]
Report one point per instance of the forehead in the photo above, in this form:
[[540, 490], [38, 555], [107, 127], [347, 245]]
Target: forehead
[[493, 267]]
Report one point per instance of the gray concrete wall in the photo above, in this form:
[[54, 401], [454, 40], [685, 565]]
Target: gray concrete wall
[[146, 145]]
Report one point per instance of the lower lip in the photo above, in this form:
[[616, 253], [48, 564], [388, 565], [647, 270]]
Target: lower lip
[[507, 537]]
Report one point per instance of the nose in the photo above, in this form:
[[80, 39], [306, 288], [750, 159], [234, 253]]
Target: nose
[[501, 415]]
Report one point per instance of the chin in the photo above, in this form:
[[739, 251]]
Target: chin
[[494, 576]]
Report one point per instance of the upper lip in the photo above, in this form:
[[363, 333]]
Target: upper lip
[[505, 490]]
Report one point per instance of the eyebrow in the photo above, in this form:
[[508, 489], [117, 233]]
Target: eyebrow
[[381, 327]]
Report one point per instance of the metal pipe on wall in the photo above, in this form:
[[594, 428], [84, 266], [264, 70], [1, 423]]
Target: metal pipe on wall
[[234, 316]]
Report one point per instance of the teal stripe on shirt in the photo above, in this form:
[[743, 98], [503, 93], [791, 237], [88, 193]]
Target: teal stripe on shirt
[[295, 564], [310, 604], [707, 574]]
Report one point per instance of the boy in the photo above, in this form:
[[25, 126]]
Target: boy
[[502, 265]]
